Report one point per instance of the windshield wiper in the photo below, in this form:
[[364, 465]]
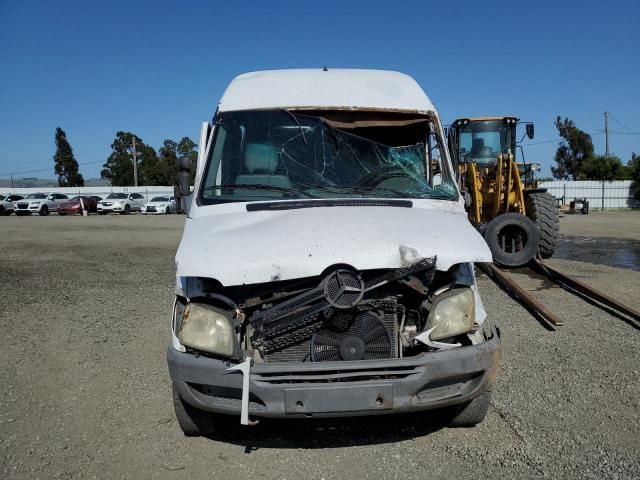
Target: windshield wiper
[[258, 186]]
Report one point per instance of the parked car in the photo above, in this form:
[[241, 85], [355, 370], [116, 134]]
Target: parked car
[[326, 266], [7, 203], [40, 203], [96, 198], [122, 203], [160, 205], [73, 206]]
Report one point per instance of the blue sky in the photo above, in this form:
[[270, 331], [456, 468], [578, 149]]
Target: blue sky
[[157, 68]]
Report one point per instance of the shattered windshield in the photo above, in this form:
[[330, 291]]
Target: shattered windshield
[[259, 155]]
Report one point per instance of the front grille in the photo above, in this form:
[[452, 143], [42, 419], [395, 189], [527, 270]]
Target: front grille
[[151, 209], [23, 205], [336, 375], [107, 204]]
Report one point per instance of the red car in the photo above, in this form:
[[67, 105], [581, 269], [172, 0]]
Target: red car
[[73, 205]]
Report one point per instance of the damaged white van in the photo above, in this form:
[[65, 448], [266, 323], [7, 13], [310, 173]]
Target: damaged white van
[[326, 264]]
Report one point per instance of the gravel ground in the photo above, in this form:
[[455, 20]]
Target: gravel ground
[[85, 304]]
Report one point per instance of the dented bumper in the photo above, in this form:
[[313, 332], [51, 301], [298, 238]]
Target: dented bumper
[[325, 389]]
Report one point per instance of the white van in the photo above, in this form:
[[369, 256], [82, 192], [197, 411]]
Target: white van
[[326, 264]]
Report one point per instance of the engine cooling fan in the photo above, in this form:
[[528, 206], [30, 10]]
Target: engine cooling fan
[[366, 338]]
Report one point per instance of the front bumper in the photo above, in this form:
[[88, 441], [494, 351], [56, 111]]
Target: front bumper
[[329, 389], [110, 208]]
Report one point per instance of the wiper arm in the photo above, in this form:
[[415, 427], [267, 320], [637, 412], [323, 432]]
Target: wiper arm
[[258, 186]]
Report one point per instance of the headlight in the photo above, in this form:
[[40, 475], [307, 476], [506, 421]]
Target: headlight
[[452, 313], [207, 328]]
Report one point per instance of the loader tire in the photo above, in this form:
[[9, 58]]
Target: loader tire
[[541, 207], [513, 239]]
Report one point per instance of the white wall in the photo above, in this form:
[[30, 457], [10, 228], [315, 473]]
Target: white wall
[[614, 194], [148, 192]]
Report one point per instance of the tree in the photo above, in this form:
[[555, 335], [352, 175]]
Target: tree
[[66, 166], [164, 170], [118, 168], [601, 167], [575, 147], [634, 172]]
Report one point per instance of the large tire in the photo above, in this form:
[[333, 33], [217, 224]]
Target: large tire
[[513, 239], [3, 211], [541, 207], [127, 210], [44, 211], [472, 413], [192, 422]]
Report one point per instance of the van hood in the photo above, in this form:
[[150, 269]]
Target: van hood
[[235, 246]]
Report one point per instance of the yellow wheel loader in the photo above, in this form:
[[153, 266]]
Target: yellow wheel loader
[[518, 220]]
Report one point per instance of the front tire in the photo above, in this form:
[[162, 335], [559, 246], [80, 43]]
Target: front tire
[[127, 210], [472, 413], [192, 422], [541, 207], [44, 211]]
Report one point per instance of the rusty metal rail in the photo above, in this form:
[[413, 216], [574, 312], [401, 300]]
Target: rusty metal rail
[[572, 285], [576, 286], [549, 319]]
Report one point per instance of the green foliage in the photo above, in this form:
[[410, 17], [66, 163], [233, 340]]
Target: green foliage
[[600, 167], [153, 169], [66, 166], [118, 168], [634, 173], [575, 147]]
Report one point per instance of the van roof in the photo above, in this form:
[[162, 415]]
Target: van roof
[[351, 89]]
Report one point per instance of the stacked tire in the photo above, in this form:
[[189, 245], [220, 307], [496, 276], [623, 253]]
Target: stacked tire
[[541, 207]]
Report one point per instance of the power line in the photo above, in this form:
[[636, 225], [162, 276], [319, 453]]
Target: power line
[[68, 156], [558, 140], [621, 124], [44, 169]]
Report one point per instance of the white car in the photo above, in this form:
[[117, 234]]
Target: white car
[[40, 203], [160, 205], [122, 203], [7, 201]]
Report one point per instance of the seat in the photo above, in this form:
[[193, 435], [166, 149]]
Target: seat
[[261, 162]]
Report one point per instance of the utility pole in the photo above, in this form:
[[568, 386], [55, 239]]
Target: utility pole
[[135, 163], [12, 180], [606, 134]]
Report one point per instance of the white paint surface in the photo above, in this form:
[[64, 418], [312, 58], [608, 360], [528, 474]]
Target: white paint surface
[[227, 243], [335, 88]]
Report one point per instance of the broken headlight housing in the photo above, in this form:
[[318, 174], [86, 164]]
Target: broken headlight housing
[[452, 313], [206, 328]]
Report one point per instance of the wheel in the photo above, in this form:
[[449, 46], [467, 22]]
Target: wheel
[[127, 210], [4, 211], [541, 207], [166, 211], [44, 211], [513, 239], [192, 422], [472, 413]]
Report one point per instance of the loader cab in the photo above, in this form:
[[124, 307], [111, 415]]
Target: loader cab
[[481, 140]]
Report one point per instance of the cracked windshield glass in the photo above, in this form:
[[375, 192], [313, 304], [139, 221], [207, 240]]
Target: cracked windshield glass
[[263, 155]]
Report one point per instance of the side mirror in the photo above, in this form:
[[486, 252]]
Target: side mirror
[[182, 189], [530, 131]]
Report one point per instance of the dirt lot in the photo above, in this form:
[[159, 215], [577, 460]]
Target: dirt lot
[[84, 307]]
